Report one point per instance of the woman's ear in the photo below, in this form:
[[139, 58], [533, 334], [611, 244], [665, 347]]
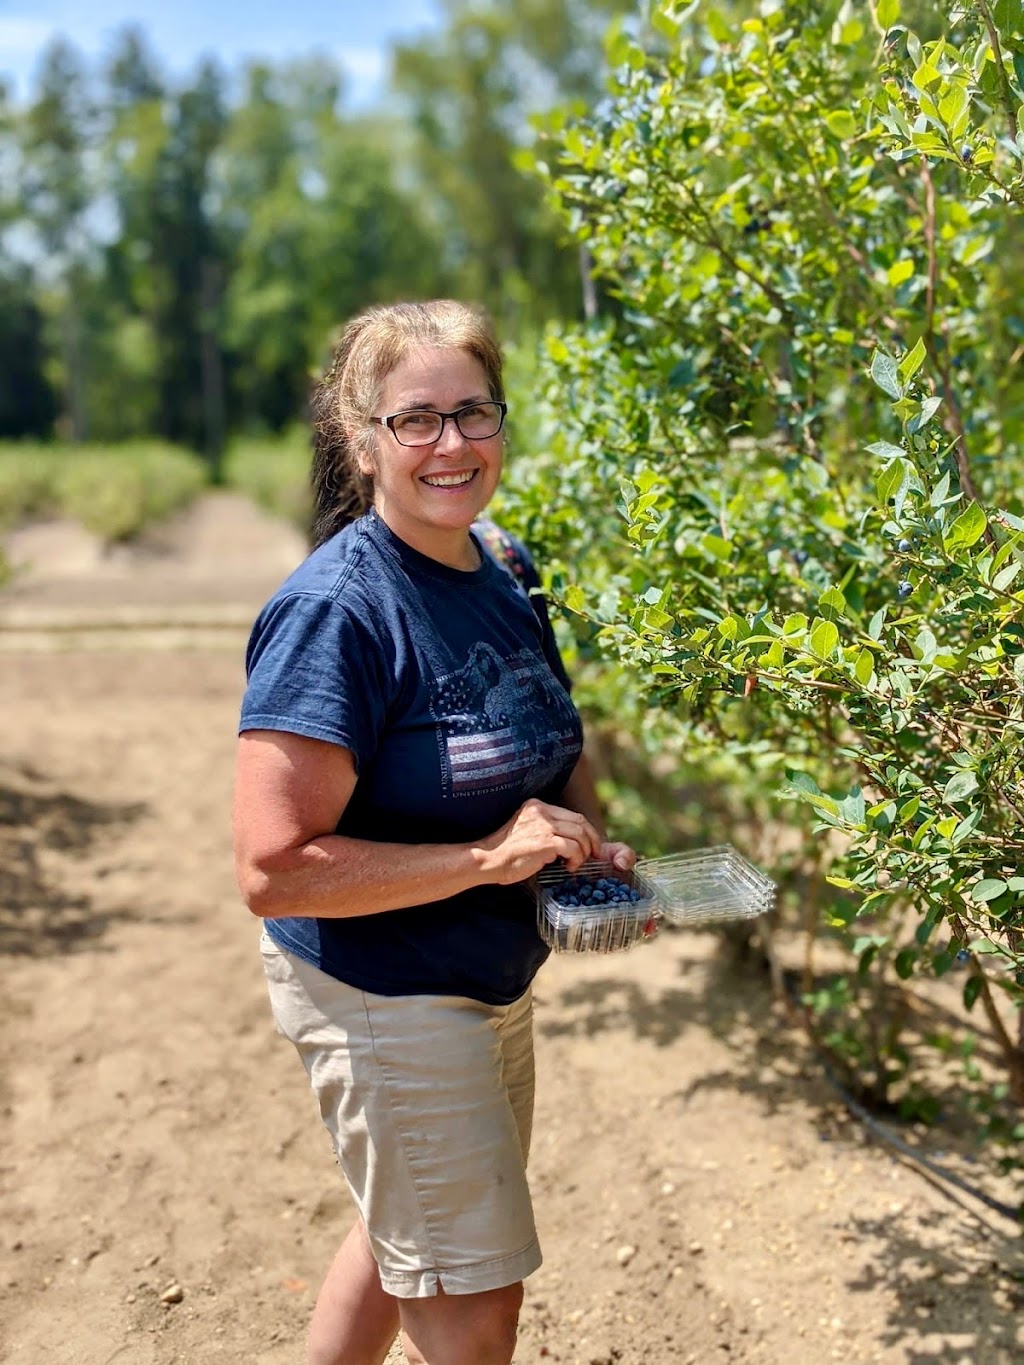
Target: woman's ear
[[364, 458]]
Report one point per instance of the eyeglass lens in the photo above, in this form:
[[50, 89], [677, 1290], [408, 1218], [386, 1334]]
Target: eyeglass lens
[[420, 428]]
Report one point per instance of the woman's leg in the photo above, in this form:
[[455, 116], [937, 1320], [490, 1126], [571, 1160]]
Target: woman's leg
[[354, 1321], [462, 1329]]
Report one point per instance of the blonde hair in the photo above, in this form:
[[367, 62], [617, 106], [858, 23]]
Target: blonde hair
[[346, 397]]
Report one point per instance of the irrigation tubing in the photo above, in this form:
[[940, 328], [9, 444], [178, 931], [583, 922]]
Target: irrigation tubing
[[891, 1139], [904, 1148]]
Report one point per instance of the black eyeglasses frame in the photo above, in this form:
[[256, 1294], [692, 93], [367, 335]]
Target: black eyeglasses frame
[[389, 421]]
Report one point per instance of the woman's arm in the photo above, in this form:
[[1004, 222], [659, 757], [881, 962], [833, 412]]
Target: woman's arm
[[290, 792]]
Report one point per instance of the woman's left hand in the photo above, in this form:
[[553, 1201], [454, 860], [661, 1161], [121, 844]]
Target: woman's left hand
[[619, 855]]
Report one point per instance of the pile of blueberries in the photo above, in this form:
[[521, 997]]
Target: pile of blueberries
[[578, 892]]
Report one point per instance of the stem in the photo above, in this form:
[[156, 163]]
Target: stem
[[953, 419], [1012, 1054], [1004, 82]]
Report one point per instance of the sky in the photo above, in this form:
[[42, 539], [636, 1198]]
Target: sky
[[356, 33]]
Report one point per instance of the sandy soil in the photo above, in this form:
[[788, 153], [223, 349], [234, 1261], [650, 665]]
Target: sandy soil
[[167, 1196]]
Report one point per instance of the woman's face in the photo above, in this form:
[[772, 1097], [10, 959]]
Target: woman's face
[[430, 495]]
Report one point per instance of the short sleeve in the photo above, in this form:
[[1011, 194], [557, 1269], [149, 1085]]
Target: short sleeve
[[315, 668]]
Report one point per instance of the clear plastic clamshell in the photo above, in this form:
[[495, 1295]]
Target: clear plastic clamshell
[[599, 909], [705, 885]]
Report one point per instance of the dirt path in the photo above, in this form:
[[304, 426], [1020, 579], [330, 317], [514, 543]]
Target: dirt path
[[167, 1197]]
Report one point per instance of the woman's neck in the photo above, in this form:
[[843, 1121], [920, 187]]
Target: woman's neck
[[456, 549]]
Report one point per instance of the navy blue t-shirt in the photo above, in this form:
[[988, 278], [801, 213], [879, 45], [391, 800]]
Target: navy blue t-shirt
[[448, 689]]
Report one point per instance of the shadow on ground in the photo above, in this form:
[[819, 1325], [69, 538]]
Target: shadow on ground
[[923, 1275], [731, 997], [41, 831]]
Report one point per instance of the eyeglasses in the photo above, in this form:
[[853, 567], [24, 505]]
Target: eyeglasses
[[423, 426]]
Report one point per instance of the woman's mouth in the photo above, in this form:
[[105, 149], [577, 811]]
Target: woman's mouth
[[449, 480]]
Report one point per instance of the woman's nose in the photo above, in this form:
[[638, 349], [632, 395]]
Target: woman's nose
[[451, 441]]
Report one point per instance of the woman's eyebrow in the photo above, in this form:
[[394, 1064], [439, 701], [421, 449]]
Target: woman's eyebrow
[[418, 402]]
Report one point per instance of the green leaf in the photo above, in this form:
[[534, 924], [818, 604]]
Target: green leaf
[[832, 603], [1005, 576], [823, 639], [924, 414], [893, 481], [886, 449], [841, 123], [774, 655], [851, 808], [926, 644], [960, 786], [988, 889], [884, 373], [575, 598], [864, 667], [972, 989], [904, 963], [915, 356], [968, 528], [902, 270], [888, 13], [940, 492]]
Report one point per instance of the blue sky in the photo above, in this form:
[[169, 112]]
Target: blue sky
[[354, 32]]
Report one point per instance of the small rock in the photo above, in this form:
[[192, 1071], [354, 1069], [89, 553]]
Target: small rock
[[668, 1188], [695, 1248], [625, 1254], [173, 1293]]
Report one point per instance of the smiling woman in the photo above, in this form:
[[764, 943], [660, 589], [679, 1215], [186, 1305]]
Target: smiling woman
[[409, 758]]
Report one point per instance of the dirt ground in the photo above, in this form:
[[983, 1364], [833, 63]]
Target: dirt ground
[[167, 1195]]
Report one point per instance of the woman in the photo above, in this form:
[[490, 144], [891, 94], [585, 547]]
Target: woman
[[408, 758]]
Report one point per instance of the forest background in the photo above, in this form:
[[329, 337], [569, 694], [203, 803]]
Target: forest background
[[758, 267]]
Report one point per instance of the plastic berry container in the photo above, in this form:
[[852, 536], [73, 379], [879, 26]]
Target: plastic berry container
[[597, 909], [600, 909]]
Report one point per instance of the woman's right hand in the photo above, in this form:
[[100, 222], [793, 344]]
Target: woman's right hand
[[536, 835]]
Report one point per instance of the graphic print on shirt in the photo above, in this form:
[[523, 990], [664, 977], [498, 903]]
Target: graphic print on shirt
[[502, 722]]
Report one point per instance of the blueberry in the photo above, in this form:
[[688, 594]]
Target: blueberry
[[967, 153], [904, 545], [799, 558], [598, 895], [905, 589]]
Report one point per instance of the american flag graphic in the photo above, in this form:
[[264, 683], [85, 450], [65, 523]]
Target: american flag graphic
[[504, 723], [491, 759]]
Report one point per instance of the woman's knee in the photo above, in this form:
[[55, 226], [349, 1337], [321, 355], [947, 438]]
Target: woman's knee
[[463, 1329]]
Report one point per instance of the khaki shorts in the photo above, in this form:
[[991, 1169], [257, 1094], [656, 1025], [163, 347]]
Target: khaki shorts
[[429, 1103]]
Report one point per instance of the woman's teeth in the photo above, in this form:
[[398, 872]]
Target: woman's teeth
[[448, 480]]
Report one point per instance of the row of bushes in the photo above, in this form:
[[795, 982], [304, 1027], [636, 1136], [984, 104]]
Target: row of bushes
[[117, 491]]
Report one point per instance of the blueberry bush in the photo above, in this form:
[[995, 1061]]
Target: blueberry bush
[[778, 485]]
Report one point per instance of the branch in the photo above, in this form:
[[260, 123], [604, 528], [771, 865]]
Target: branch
[[997, 53], [953, 421]]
